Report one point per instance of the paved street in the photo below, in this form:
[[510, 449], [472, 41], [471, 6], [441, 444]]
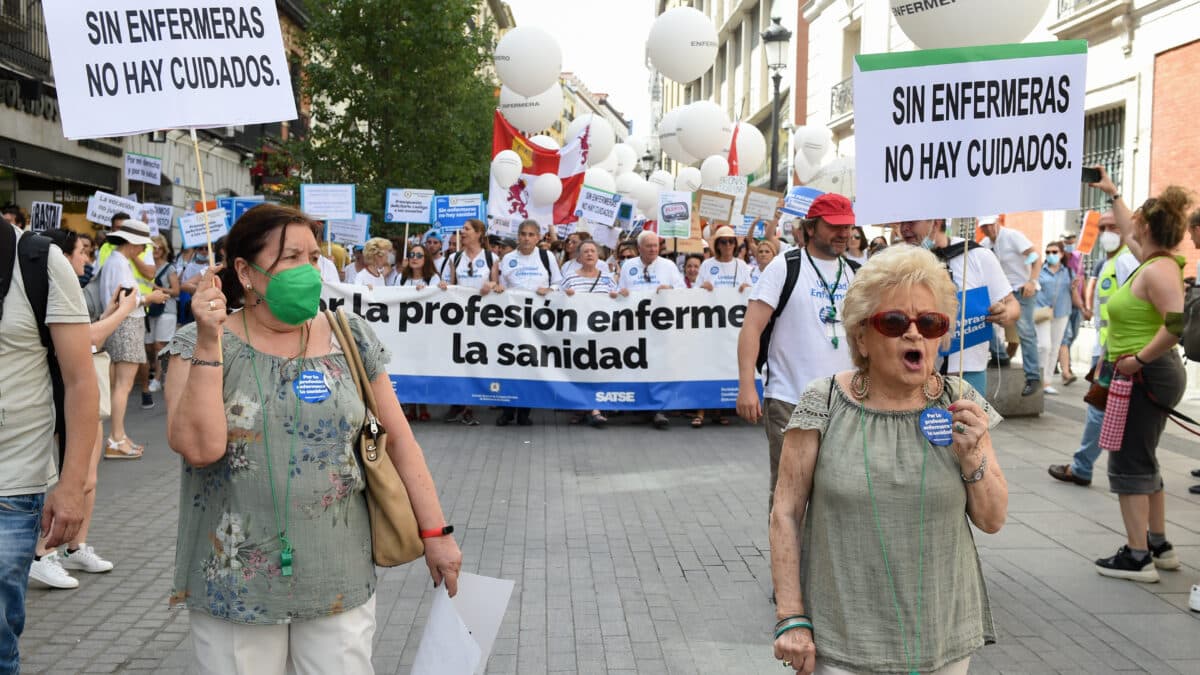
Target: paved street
[[641, 551]]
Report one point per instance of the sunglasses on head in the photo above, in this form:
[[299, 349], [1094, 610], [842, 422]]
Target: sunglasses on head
[[894, 323]]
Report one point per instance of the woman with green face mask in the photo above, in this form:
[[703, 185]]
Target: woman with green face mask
[[274, 545]]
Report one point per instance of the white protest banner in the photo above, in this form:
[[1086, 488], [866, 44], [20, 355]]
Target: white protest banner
[[578, 353], [598, 206], [143, 168], [606, 236], [45, 216], [715, 207], [761, 203], [136, 66], [799, 200], [962, 132], [675, 214], [736, 186], [504, 227], [160, 217], [406, 205], [192, 228], [451, 212], [354, 232], [102, 206], [327, 201]]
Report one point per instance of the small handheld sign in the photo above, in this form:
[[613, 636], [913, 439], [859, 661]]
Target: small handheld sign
[[937, 426]]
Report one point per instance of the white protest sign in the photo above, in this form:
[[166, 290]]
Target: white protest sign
[[102, 206], [327, 201], [598, 206], [354, 232], [446, 646], [406, 205], [137, 66], [736, 186], [715, 207], [160, 218], [143, 168], [45, 216], [606, 236], [504, 227], [675, 214], [761, 203], [192, 228], [960, 132]]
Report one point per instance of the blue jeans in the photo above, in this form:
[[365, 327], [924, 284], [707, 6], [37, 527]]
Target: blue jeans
[[1089, 445], [1028, 334], [1072, 330], [20, 519], [978, 380]]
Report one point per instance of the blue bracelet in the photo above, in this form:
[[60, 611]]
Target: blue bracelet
[[792, 626]]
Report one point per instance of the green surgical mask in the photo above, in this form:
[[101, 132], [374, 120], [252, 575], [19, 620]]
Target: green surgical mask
[[293, 296]]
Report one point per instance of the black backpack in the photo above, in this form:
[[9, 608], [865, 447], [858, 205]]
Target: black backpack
[[1191, 324], [794, 258], [33, 251]]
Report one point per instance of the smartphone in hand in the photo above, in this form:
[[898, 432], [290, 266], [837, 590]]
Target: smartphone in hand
[[1091, 174]]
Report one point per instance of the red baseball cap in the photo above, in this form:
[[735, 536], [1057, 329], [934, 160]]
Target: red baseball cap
[[834, 208]]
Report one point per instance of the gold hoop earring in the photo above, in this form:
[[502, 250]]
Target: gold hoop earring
[[939, 388], [860, 385]]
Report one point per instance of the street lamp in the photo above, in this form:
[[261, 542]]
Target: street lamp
[[776, 39], [647, 164]]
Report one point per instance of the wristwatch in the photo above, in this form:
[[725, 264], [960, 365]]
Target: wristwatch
[[978, 474]]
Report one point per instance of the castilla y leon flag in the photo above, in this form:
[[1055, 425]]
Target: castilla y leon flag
[[733, 156], [569, 164]]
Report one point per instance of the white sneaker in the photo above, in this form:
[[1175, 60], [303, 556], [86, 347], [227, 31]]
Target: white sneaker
[[1050, 391], [1194, 599], [49, 571], [85, 559], [154, 385]]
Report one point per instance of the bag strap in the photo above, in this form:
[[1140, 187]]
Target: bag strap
[[8, 254], [341, 330]]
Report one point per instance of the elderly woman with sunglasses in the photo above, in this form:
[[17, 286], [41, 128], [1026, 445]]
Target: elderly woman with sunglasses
[[874, 565]]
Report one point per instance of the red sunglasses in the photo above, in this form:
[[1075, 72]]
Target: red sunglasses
[[894, 323]]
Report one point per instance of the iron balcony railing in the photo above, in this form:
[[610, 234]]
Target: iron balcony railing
[[1068, 7], [841, 98], [23, 43]]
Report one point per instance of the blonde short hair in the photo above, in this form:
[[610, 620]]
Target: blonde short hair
[[376, 246], [900, 267]]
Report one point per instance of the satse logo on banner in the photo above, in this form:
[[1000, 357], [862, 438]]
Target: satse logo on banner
[[135, 66], [967, 131], [143, 168]]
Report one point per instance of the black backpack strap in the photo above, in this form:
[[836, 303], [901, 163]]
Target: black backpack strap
[[793, 259], [35, 274], [546, 263], [8, 255]]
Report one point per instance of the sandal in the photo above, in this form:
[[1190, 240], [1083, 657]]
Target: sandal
[[1068, 379], [122, 449], [697, 422], [722, 420], [597, 421]]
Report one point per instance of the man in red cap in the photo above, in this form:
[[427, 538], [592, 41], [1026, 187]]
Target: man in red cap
[[802, 322]]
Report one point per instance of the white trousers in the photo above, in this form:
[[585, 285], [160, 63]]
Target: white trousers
[[334, 644], [956, 668], [1049, 337]]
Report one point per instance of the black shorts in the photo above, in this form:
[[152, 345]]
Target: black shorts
[[1134, 469]]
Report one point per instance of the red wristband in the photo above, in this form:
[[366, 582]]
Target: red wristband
[[437, 532]]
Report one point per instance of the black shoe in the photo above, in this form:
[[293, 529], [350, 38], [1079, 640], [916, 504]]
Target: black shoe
[[1195, 489], [454, 414], [1195, 473], [1164, 556], [524, 421], [504, 420], [1031, 387], [1063, 472], [661, 422], [147, 400], [1124, 566]]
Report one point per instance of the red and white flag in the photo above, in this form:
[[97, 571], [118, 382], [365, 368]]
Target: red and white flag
[[568, 163]]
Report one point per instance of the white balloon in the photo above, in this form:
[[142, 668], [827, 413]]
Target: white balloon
[[528, 60], [689, 180], [836, 176], [533, 113], [546, 189], [601, 137], [815, 142], [966, 23], [506, 168], [682, 44], [610, 163], [600, 179], [805, 170], [751, 148], [627, 158], [627, 183], [703, 129], [638, 145], [712, 170], [663, 179], [646, 196], [668, 137], [545, 141]]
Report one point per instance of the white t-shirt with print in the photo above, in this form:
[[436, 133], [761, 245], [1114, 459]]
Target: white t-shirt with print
[[983, 270], [471, 272], [368, 278], [329, 271], [415, 282], [527, 272], [1010, 247], [570, 267], [730, 274], [801, 344], [661, 272]]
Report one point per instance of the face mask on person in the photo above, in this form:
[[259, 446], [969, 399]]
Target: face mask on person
[[1031, 258], [928, 244], [1052, 259], [200, 259], [1110, 241], [293, 296], [1070, 248]]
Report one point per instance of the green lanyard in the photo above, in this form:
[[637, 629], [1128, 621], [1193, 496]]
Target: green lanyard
[[911, 660], [286, 553], [829, 314]]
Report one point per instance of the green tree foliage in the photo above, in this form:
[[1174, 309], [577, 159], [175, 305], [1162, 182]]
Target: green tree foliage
[[399, 98]]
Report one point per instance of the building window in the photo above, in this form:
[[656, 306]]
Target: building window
[[755, 27], [1103, 145], [735, 44]]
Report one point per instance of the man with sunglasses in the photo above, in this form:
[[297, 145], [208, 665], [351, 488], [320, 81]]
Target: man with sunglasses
[[649, 273], [808, 339], [983, 271]]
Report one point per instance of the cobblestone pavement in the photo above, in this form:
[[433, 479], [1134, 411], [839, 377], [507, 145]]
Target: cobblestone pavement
[[635, 550]]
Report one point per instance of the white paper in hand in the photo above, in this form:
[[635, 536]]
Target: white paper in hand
[[482, 602], [447, 647]]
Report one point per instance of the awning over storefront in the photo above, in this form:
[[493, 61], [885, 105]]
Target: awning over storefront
[[30, 159]]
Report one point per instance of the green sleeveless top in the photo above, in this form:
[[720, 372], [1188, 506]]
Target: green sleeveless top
[[842, 575], [1132, 322]]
